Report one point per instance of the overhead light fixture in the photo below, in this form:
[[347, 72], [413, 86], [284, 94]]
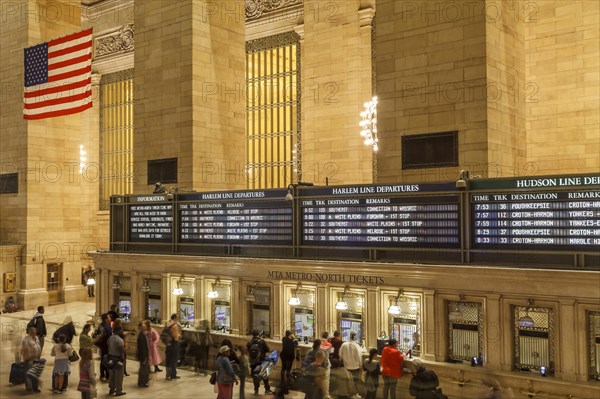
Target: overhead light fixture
[[91, 281], [212, 294], [146, 286], [289, 196], [159, 188], [394, 309], [456, 314], [294, 299], [368, 124], [251, 297], [178, 290], [526, 321], [342, 304], [117, 281]]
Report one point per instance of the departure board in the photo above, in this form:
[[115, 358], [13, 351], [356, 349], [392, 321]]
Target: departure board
[[549, 220], [383, 216], [150, 220], [236, 217]]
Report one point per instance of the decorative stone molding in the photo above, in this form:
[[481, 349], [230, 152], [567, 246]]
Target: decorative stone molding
[[114, 43], [365, 17], [257, 9]]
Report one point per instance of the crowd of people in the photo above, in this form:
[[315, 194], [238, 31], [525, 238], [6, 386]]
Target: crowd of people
[[331, 368]]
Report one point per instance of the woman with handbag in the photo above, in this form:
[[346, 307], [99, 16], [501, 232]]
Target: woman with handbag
[[87, 374], [225, 374], [61, 351]]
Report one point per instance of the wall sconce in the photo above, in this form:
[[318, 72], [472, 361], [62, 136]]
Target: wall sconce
[[394, 309], [289, 196], [543, 371], [117, 281], [178, 290], [146, 286], [526, 321], [251, 297], [212, 294], [342, 304], [456, 314], [294, 299]]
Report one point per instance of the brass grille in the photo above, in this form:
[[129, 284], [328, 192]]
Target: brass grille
[[534, 345], [273, 111], [465, 336], [155, 287], [594, 344], [262, 295], [188, 288], [125, 284], [224, 291], [354, 300], [116, 135], [307, 298]]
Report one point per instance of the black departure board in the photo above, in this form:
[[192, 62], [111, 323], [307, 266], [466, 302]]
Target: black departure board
[[150, 219], [236, 217], [559, 219], [380, 216]]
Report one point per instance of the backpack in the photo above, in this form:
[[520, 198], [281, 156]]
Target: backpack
[[166, 337], [32, 323], [254, 351]]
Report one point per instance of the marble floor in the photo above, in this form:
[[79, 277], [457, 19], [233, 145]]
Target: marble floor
[[189, 386]]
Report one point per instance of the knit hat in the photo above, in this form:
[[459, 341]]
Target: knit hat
[[224, 349], [417, 364]]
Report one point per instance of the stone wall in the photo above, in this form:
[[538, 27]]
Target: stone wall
[[562, 53]]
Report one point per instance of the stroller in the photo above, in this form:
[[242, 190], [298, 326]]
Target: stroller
[[267, 365]]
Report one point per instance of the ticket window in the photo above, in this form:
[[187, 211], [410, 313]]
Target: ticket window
[[465, 332], [351, 318], [533, 347], [260, 309], [185, 302], [303, 313], [153, 301], [220, 305], [405, 325], [124, 299]]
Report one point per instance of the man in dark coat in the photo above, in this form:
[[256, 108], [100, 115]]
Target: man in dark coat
[[143, 356], [40, 326], [67, 329], [423, 383], [101, 337]]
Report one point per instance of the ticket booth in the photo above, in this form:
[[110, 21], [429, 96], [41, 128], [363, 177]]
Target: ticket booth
[[302, 307], [220, 295], [122, 287], [404, 321], [350, 306]]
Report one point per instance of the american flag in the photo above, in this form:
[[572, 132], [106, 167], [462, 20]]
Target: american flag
[[58, 77]]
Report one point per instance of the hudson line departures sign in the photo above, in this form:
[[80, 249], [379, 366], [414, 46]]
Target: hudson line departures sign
[[547, 212]]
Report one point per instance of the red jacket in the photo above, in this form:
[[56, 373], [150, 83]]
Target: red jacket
[[391, 362]]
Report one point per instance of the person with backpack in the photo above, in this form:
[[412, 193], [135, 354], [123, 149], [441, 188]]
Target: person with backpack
[[257, 350], [101, 336], [40, 326], [372, 371], [170, 336], [424, 382]]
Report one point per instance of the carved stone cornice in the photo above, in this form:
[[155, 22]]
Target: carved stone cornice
[[257, 9], [114, 43]]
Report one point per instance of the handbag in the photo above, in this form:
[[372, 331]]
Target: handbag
[[74, 357], [438, 394], [213, 378]]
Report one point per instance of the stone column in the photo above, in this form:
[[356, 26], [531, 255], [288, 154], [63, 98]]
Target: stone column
[[493, 328], [428, 335], [566, 331], [236, 305]]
